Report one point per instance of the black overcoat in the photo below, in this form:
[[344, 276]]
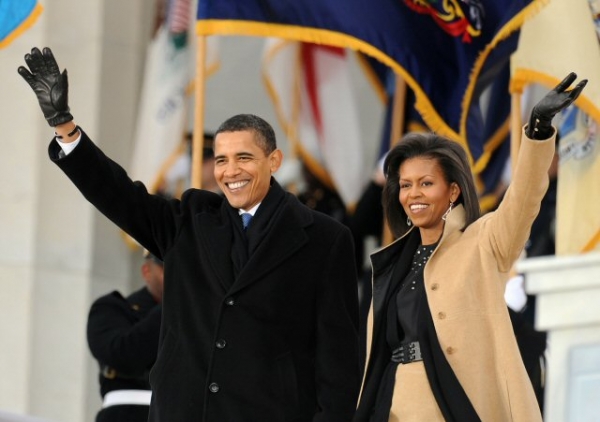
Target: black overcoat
[[276, 343]]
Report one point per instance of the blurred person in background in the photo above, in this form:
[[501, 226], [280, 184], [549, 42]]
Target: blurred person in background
[[175, 178], [122, 334]]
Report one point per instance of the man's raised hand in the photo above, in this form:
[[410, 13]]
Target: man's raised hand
[[50, 85]]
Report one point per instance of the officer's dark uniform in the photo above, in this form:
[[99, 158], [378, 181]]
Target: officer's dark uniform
[[123, 336]]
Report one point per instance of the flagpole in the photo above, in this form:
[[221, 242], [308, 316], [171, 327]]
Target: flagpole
[[398, 108], [398, 111], [198, 134], [515, 127]]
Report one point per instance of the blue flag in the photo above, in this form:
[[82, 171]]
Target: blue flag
[[490, 122], [15, 17], [445, 51], [496, 133]]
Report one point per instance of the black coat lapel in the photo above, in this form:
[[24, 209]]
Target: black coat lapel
[[284, 238], [215, 235], [390, 266], [401, 252]]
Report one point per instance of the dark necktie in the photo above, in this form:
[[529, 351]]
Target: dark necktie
[[246, 218]]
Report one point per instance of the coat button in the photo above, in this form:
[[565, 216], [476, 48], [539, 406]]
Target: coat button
[[441, 315], [213, 387], [435, 286], [230, 301], [450, 350], [221, 344]]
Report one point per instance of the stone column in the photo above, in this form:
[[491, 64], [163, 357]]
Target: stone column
[[57, 253], [568, 308]]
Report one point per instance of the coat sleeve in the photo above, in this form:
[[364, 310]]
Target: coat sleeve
[[150, 219], [117, 339], [337, 352], [507, 229]]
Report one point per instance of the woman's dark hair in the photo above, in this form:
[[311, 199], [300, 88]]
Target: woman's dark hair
[[264, 135], [451, 158]]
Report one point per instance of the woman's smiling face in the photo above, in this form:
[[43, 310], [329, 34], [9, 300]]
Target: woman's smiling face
[[425, 195]]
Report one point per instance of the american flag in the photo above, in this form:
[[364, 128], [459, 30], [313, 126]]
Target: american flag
[[179, 16]]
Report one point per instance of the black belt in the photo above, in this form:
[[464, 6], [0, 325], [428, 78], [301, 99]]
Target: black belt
[[407, 353]]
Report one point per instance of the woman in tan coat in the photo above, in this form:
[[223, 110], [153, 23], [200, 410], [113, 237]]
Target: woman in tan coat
[[440, 342]]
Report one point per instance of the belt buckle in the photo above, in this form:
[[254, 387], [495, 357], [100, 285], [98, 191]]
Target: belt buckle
[[407, 353], [414, 350], [109, 373]]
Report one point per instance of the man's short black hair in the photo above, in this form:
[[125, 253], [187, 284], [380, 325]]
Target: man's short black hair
[[263, 131]]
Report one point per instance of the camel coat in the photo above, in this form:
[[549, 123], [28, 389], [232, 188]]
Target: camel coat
[[465, 280]]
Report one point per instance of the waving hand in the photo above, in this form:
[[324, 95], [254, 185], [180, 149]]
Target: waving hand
[[50, 86], [540, 122]]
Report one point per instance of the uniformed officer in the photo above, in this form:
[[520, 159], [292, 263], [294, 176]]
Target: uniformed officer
[[123, 336]]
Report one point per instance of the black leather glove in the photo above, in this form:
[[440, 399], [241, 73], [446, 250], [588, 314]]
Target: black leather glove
[[50, 86], [540, 122]]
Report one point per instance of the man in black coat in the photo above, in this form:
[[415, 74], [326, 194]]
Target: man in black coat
[[122, 334], [260, 320]]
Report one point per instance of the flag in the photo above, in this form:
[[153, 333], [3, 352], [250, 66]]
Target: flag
[[560, 39], [445, 51], [491, 118], [413, 121], [569, 27], [162, 113], [16, 16], [311, 89], [161, 152], [492, 115], [162, 124], [496, 109]]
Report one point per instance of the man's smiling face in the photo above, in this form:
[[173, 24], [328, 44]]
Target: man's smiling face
[[243, 169]]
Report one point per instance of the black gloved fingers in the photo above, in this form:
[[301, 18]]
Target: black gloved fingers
[[35, 61], [49, 85], [565, 98], [50, 61], [41, 63], [540, 122], [574, 93], [566, 82], [26, 74]]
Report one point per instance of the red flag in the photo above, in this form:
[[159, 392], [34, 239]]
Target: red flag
[[313, 95]]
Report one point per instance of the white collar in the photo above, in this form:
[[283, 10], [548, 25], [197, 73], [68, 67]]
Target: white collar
[[251, 211]]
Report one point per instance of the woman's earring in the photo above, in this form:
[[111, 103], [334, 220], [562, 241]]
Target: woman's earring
[[447, 213], [408, 222]]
